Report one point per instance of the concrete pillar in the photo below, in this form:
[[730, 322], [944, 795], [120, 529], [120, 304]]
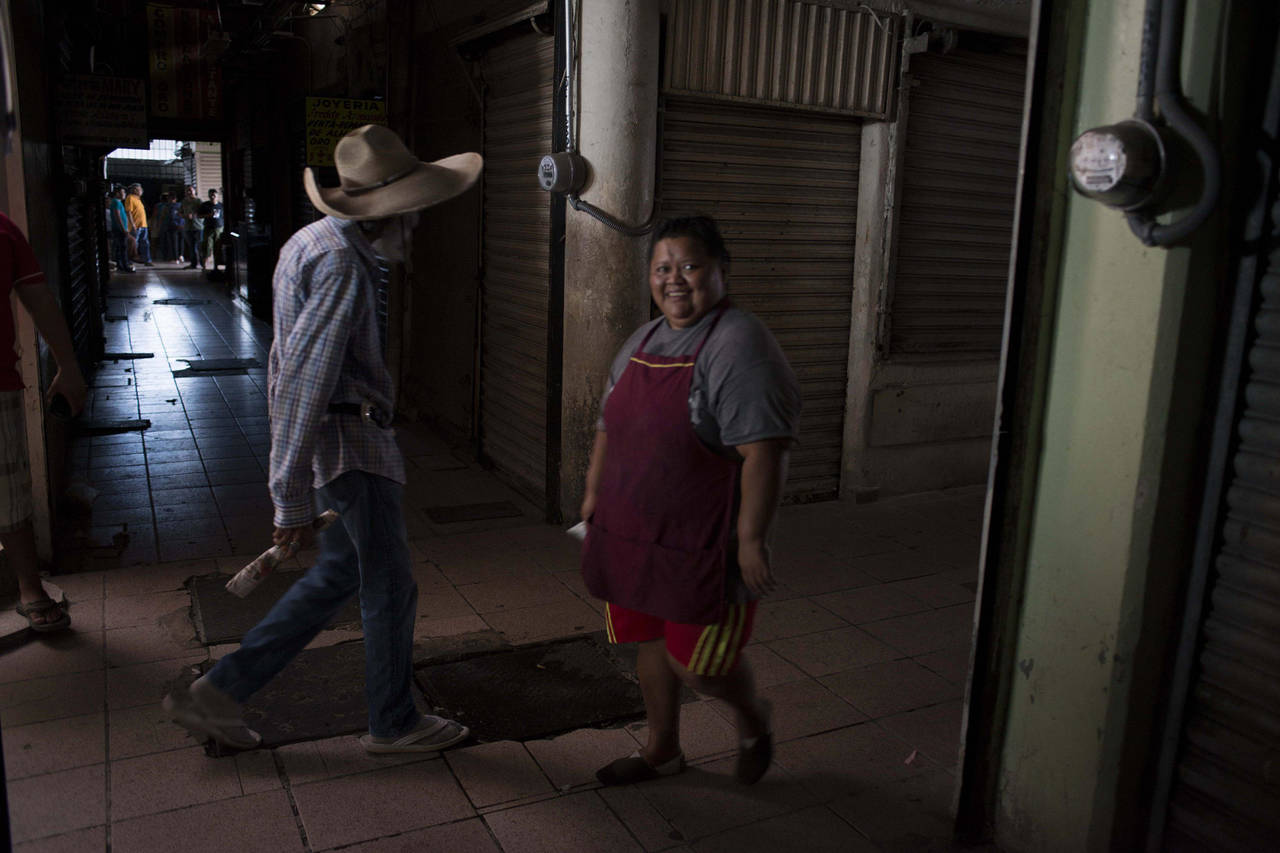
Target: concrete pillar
[[869, 281], [606, 293]]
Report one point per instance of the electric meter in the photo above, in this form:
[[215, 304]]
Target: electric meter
[[1120, 165], [563, 172]]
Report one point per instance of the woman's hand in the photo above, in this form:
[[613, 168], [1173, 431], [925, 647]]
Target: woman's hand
[[757, 570]]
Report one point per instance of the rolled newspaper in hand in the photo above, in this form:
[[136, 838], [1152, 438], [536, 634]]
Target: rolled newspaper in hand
[[248, 578]]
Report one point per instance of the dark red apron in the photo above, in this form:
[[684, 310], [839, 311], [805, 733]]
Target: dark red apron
[[658, 538]]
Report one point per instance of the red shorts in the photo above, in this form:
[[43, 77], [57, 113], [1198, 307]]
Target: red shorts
[[701, 649]]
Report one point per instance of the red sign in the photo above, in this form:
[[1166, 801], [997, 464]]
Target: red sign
[[184, 85]]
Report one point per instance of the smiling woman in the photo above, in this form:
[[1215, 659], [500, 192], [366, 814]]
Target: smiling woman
[[687, 272], [689, 459]]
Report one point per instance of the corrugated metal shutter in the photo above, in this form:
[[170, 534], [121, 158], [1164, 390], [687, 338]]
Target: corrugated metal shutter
[[80, 286], [784, 186], [517, 240], [955, 213], [1227, 785], [785, 52], [208, 168]]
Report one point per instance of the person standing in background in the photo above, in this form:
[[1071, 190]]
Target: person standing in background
[[212, 212], [119, 222], [177, 228], [193, 225], [160, 228], [138, 223]]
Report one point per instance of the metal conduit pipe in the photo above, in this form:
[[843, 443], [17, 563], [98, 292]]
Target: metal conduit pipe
[[1147, 61], [575, 201], [1168, 97]]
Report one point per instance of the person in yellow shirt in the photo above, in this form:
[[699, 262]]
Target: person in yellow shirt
[[137, 213]]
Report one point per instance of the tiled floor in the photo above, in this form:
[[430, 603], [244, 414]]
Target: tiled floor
[[195, 481], [863, 653]]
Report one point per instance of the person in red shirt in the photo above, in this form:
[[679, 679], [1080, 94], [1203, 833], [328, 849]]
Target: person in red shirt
[[21, 274]]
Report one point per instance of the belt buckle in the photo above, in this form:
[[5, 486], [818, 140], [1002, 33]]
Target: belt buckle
[[367, 412]]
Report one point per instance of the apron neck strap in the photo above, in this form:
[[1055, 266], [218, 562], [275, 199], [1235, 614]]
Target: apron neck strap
[[724, 305]]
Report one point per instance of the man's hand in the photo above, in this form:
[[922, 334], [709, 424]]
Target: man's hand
[[757, 571], [69, 384], [303, 535]]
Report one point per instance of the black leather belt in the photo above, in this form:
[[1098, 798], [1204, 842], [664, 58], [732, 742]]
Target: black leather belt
[[367, 412]]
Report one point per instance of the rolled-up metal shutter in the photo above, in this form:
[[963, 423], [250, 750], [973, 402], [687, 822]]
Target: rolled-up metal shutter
[[517, 262], [784, 186], [955, 221], [1227, 784]]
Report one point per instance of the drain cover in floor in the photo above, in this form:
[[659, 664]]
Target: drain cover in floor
[[221, 617], [319, 694], [126, 356], [180, 300], [210, 366], [111, 427], [531, 693], [472, 512]]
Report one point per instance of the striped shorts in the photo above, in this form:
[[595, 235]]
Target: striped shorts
[[15, 469], [708, 650]]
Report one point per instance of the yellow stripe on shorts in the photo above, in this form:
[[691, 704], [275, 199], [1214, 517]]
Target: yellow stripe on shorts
[[725, 651], [608, 623], [707, 639]]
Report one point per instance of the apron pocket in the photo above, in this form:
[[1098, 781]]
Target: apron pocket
[[674, 584]]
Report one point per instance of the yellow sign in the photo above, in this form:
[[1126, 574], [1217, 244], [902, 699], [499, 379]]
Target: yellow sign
[[330, 119]]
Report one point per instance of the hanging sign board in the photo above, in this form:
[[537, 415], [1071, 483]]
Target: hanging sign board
[[330, 119], [106, 111], [185, 82]]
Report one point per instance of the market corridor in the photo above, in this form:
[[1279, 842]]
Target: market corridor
[[863, 652]]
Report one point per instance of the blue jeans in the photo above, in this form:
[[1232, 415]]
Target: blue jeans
[[191, 251], [144, 246], [120, 251], [367, 552]]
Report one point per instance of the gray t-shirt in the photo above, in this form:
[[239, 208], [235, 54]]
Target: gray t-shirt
[[743, 388]]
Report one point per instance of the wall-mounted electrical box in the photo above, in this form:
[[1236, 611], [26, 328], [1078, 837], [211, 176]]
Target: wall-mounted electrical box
[[563, 172]]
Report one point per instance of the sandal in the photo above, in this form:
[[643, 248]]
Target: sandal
[[755, 754], [432, 735], [633, 768], [45, 615], [188, 711]]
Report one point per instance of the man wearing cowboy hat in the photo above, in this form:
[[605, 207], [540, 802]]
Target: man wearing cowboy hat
[[330, 399]]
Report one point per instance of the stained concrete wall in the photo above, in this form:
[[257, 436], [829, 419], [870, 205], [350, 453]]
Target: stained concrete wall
[[1128, 363], [912, 425], [606, 293]]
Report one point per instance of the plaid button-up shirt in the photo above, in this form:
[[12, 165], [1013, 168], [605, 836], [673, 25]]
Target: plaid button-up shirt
[[326, 350]]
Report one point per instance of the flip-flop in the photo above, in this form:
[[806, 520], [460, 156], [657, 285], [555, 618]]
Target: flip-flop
[[43, 608], [185, 710], [633, 768], [432, 737], [756, 754]]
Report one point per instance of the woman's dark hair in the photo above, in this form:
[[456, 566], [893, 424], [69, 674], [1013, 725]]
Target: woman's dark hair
[[700, 228]]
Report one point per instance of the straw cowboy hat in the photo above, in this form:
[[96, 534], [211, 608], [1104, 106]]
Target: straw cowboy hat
[[380, 177]]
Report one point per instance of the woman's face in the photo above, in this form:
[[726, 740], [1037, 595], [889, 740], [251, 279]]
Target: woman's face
[[684, 281]]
